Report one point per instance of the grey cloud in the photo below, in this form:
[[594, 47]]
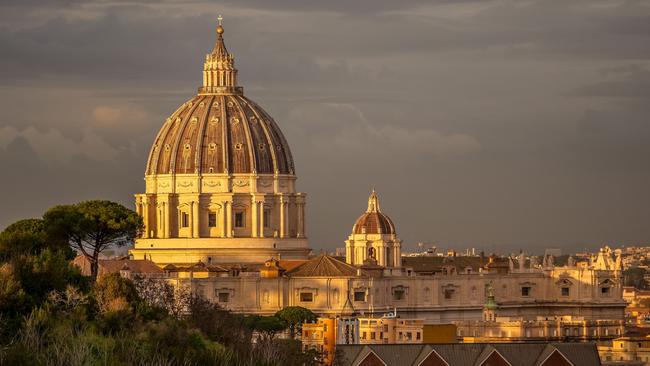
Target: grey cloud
[[494, 124]]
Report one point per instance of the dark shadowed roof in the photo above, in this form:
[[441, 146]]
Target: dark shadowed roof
[[323, 266], [434, 264], [470, 354]]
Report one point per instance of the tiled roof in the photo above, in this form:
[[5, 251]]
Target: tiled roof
[[323, 266], [116, 265], [373, 223], [434, 263], [470, 354]]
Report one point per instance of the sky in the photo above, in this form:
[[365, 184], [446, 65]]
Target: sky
[[499, 125]]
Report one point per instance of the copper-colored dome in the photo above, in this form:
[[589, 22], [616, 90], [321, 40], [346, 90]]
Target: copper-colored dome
[[215, 133], [373, 221], [220, 130]]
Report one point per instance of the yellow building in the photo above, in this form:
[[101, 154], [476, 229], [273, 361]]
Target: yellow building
[[321, 336], [220, 180], [625, 350], [326, 333]]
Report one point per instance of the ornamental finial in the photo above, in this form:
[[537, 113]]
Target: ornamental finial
[[220, 28], [373, 202]]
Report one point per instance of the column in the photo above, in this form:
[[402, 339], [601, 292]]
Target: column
[[228, 206], [168, 219], [261, 211], [165, 219], [224, 223], [196, 220], [145, 216], [254, 221], [301, 219], [282, 218], [349, 257]]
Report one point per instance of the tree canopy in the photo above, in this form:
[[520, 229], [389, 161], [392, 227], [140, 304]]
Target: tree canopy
[[294, 316], [93, 226], [29, 236]]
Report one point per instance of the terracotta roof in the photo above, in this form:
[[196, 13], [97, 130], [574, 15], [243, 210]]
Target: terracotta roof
[[374, 223], [323, 266], [202, 267], [291, 264], [434, 264], [115, 265], [134, 265], [469, 354]]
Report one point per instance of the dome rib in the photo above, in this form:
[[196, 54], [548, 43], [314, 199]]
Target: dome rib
[[225, 145], [200, 143], [249, 136], [262, 126], [177, 141]]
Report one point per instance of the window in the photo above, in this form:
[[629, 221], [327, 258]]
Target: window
[[185, 219], [604, 291], [364, 335], [267, 218], [418, 336], [449, 293], [399, 294], [359, 295], [239, 219], [224, 296], [372, 335], [525, 291], [565, 291], [212, 219], [306, 297]]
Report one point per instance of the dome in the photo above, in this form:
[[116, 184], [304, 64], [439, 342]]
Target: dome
[[373, 221], [220, 130]]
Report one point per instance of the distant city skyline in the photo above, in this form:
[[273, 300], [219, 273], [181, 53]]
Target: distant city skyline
[[489, 124]]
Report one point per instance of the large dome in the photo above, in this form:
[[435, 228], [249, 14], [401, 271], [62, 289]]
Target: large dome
[[220, 133], [220, 185], [220, 130]]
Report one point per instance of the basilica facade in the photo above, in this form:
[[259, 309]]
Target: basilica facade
[[223, 217]]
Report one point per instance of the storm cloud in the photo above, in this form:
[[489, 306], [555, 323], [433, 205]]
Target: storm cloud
[[496, 124]]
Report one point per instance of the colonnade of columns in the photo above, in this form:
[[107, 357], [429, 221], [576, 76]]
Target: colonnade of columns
[[157, 216], [387, 254]]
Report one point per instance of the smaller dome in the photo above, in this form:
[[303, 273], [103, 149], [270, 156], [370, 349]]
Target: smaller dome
[[373, 221]]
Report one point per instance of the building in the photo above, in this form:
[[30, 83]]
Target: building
[[220, 180], [373, 237], [223, 217], [496, 328], [497, 354], [321, 336], [326, 334], [626, 351]]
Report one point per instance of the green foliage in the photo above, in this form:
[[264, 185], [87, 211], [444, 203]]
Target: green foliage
[[267, 325], [51, 315], [93, 226], [294, 316], [29, 236], [634, 277]]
